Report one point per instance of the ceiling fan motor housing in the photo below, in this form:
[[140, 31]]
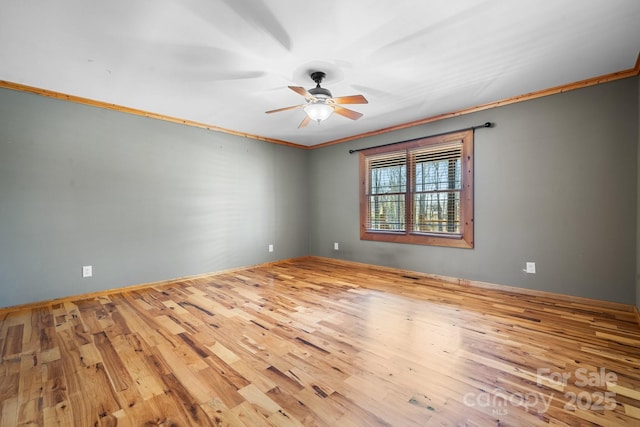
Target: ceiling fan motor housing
[[320, 92]]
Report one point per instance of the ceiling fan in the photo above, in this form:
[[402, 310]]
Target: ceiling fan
[[321, 104]]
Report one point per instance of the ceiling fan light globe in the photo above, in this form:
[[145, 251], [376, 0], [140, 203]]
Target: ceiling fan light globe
[[318, 111]]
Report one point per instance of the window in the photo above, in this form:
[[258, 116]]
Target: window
[[419, 191]]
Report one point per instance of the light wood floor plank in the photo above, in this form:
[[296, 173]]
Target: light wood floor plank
[[316, 342]]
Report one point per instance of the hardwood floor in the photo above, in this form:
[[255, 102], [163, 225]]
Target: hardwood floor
[[315, 342]]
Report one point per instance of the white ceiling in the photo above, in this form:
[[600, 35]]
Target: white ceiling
[[226, 62]]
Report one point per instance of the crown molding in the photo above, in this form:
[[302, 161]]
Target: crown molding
[[635, 71], [514, 99], [100, 104]]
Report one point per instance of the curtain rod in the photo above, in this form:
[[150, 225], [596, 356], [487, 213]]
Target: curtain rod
[[484, 125]]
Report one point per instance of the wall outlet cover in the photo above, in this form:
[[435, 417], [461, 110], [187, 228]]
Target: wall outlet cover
[[87, 271], [531, 267]]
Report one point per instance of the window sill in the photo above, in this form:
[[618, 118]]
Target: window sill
[[454, 241]]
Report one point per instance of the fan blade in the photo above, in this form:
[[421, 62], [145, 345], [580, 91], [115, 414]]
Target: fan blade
[[350, 114], [301, 91], [304, 121], [353, 99], [285, 109]]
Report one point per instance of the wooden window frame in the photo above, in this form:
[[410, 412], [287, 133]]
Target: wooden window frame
[[462, 240]]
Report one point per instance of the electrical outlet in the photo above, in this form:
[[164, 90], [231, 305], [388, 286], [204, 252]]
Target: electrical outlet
[[336, 246], [531, 268], [270, 248], [87, 271]]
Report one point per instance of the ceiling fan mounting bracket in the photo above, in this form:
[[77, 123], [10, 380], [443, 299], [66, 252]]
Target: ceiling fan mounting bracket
[[317, 76]]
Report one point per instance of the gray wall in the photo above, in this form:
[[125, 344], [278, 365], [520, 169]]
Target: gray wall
[[140, 200], [144, 200], [555, 183]]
